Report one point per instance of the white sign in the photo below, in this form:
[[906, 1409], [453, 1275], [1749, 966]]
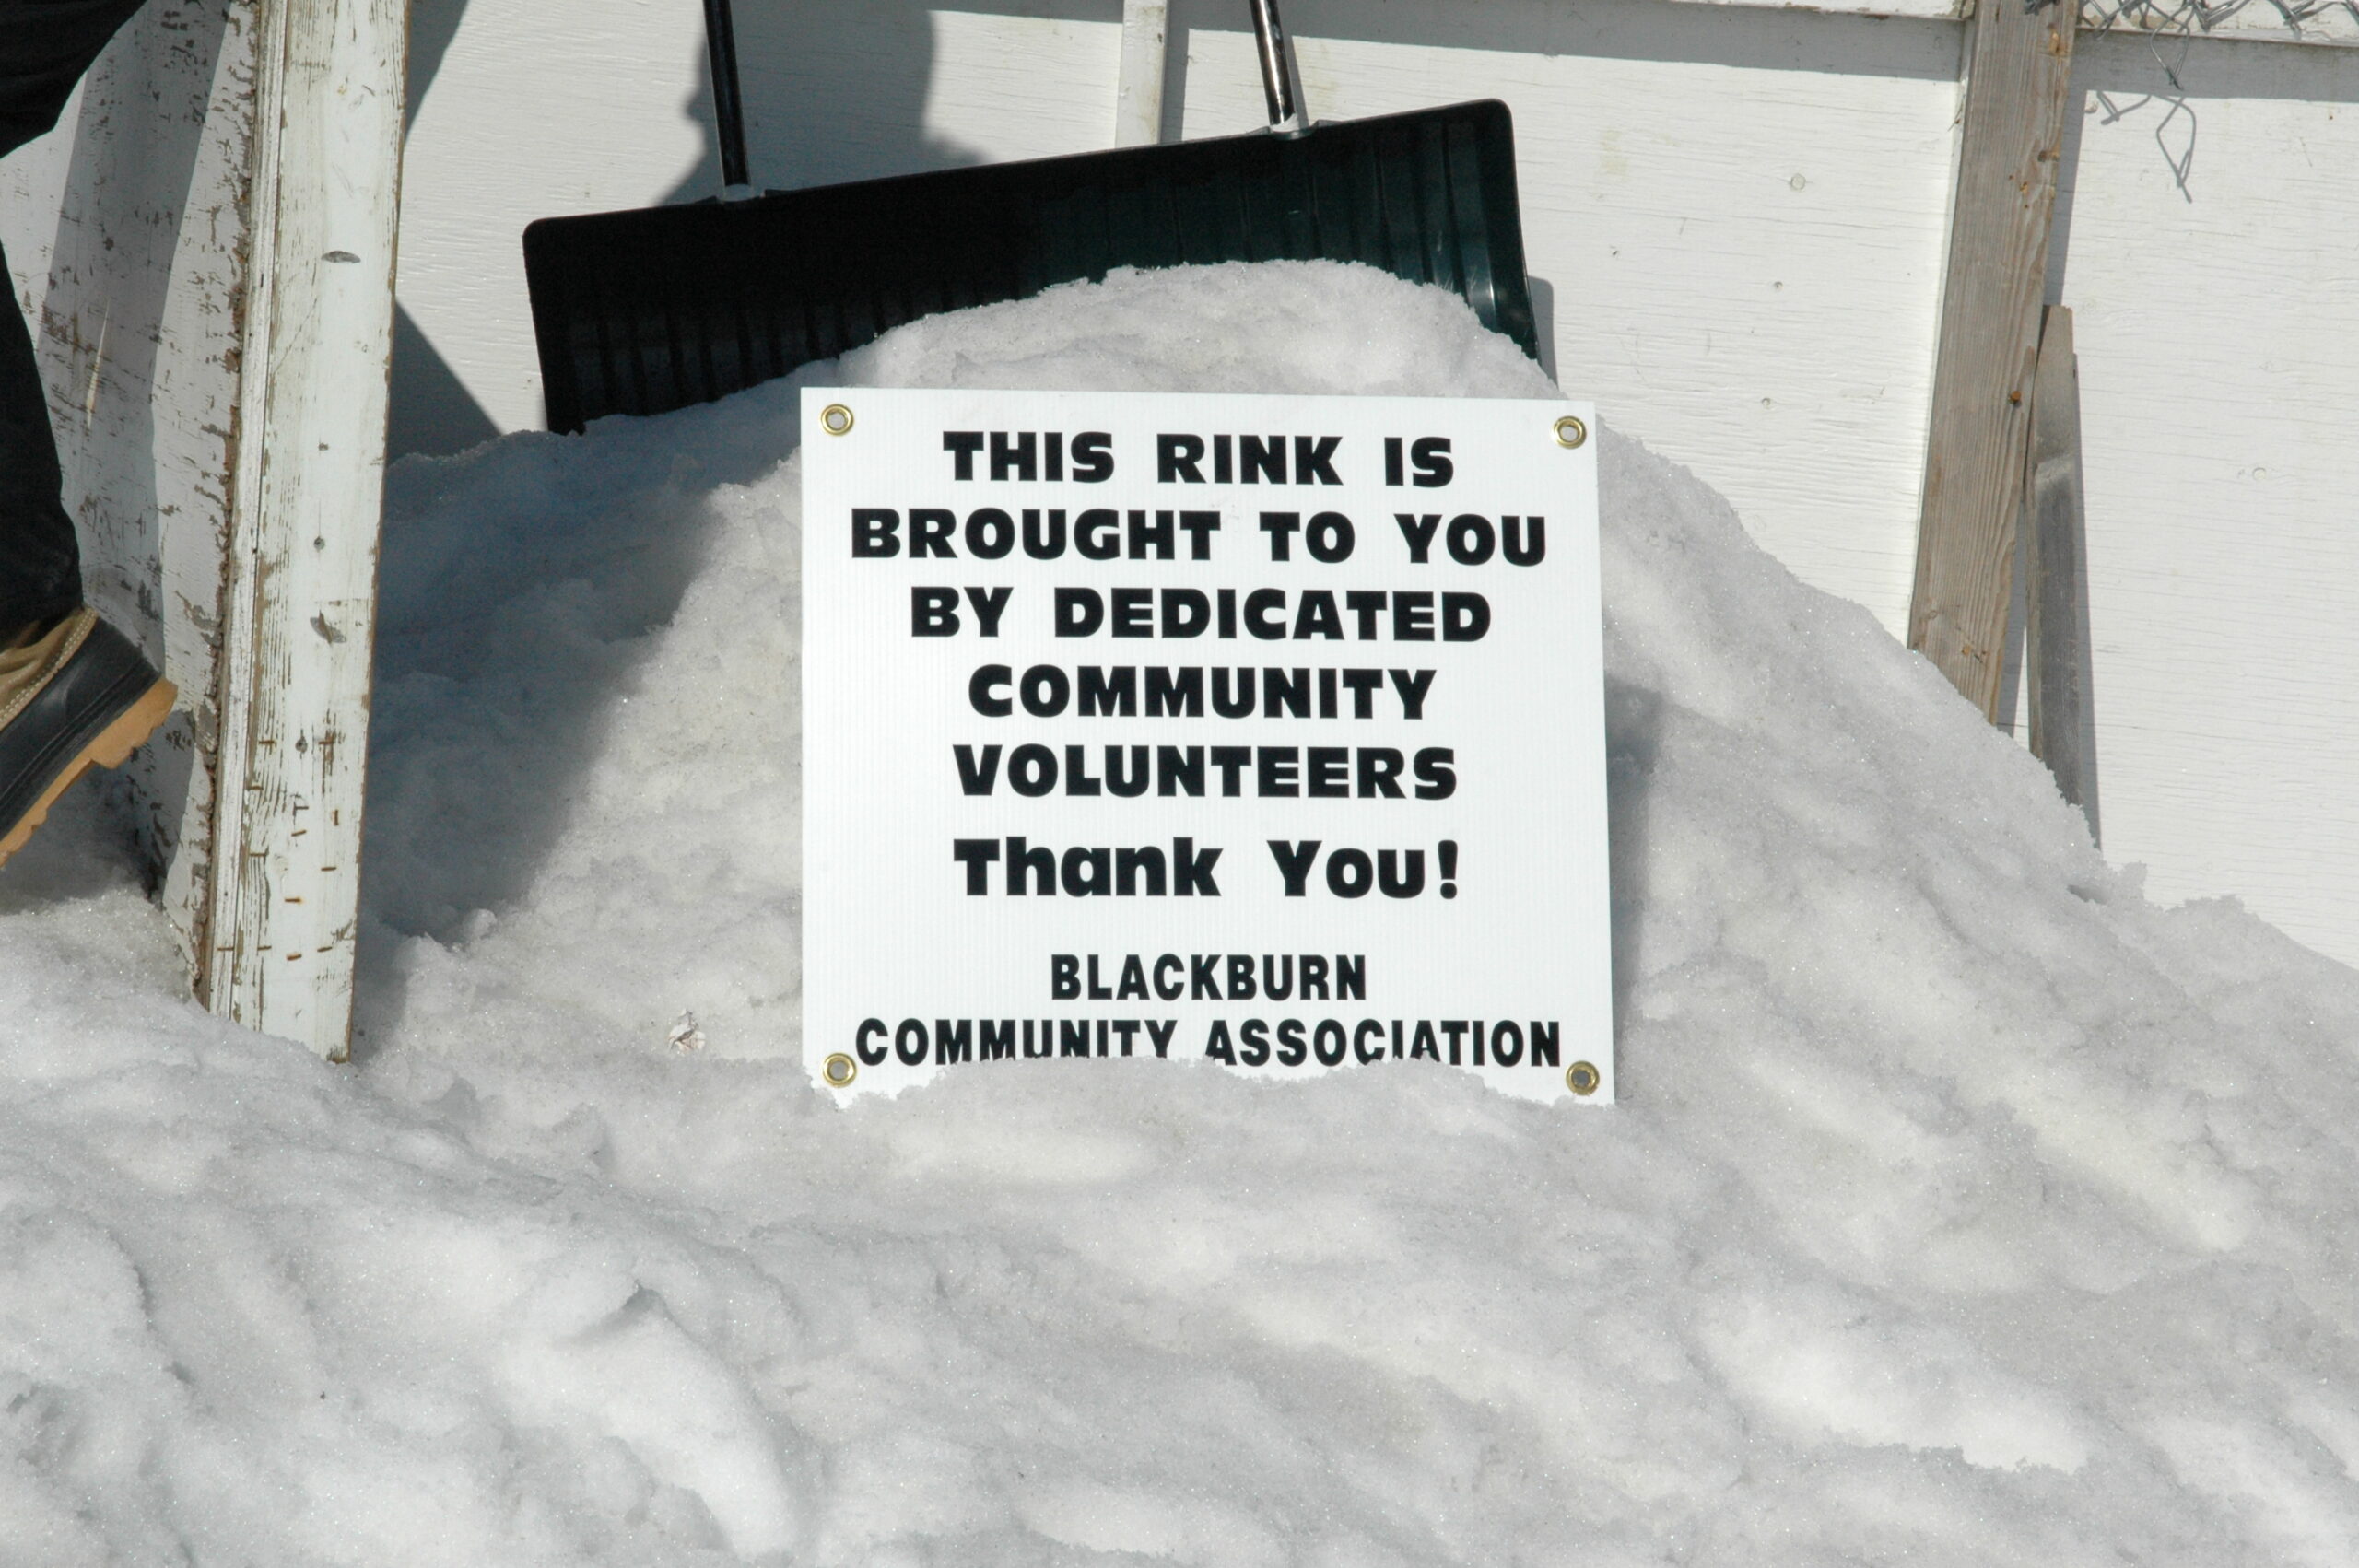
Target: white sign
[[1266, 730]]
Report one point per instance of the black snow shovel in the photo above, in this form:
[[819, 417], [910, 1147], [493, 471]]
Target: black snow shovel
[[645, 312]]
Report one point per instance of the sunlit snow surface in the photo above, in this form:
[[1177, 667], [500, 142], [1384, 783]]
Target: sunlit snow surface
[[1962, 1207]]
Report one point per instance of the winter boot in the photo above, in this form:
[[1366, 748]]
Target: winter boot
[[74, 695]]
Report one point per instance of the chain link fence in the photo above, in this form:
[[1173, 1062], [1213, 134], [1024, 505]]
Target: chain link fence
[[2328, 20]]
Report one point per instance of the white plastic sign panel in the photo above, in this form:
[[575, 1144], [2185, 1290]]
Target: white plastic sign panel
[[1263, 730]]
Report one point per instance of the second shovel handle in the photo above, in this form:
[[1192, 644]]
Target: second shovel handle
[[1277, 67], [728, 109]]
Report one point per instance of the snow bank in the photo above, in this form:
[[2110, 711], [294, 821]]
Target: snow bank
[[1962, 1208]]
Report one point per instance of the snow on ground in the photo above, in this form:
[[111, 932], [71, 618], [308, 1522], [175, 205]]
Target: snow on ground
[[1963, 1208]]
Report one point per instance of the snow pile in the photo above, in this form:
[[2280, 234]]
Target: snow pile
[[1962, 1207]]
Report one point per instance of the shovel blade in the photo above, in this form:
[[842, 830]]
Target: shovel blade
[[645, 312]]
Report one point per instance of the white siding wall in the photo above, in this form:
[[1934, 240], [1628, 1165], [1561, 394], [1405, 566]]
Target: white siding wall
[[1738, 214], [2219, 342]]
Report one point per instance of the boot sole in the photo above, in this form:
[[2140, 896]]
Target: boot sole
[[111, 747]]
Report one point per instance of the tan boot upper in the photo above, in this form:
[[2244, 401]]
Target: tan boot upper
[[26, 667]]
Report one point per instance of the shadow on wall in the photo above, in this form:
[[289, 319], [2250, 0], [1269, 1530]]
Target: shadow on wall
[[430, 409], [834, 90]]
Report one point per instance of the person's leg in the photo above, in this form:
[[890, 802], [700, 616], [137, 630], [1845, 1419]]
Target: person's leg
[[40, 565], [46, 48], [74, 692]]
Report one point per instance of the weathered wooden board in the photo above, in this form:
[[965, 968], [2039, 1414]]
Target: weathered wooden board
[[2012, 135]]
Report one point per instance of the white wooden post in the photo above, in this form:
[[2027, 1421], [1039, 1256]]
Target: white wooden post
[[309, 454], [1138, 99]]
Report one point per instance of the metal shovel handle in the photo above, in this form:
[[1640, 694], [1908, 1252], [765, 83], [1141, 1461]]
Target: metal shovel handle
[[728, 109], [1277, 67]]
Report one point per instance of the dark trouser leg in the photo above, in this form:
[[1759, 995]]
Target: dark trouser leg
[[40, 565], [45, 46]]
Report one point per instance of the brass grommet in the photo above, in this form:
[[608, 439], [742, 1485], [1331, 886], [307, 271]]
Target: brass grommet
[[839, 1071], [1581, 1078], [836, 419], [1570, 432]]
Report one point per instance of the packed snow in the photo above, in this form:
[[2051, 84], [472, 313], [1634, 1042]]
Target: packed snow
[[1962, 1207]]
